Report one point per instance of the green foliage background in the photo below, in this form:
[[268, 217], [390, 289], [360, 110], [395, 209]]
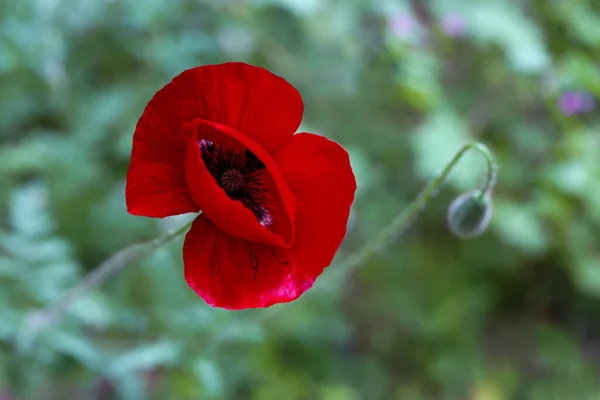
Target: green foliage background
[[514, 314]]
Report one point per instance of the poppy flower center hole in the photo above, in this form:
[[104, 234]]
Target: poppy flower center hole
[[232, 180], [239, 173]]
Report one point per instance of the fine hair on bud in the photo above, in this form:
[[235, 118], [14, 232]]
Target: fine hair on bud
[[470, 214]]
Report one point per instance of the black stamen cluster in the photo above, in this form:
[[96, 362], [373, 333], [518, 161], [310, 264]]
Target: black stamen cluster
[[248, 189]]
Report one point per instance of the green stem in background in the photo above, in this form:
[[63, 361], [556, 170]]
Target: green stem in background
[[490, 181], [403, 220], [45, 318]]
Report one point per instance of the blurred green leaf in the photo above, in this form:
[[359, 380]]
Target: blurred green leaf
[[402, 85], [143, 357]]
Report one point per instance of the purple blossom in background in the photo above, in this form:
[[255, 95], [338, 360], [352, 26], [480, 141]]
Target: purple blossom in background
[[402, 25], [571, 103], [453, 24]]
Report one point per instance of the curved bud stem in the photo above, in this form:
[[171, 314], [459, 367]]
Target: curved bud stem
[[46, 317], [490, 181], [403, 220]]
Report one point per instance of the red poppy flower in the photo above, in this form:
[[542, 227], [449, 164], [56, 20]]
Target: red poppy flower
[[221, 139]]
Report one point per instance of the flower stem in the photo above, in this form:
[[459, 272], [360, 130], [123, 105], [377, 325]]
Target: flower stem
[[46, 317], [403, 220]]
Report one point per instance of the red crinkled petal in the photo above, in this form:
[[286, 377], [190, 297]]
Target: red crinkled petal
[[157, 189], [318, 172], [249, 99], [252, 100], [236, 274], [231, 215]]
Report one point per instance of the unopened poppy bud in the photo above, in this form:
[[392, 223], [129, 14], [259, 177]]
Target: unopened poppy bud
[[470, 214]]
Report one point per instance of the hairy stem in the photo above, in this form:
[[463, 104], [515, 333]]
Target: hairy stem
[[47, 317], [403, 220]]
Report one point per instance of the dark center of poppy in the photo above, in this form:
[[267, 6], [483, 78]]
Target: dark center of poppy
[[239, 174], [232, 180]]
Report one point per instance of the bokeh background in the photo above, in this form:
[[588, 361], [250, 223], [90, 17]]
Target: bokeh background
[[513, 314]]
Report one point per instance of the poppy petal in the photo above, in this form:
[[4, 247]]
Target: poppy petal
[[157, 188], [235, 274], [156, 185], [250, 99], [230, 215], [318, 172]]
